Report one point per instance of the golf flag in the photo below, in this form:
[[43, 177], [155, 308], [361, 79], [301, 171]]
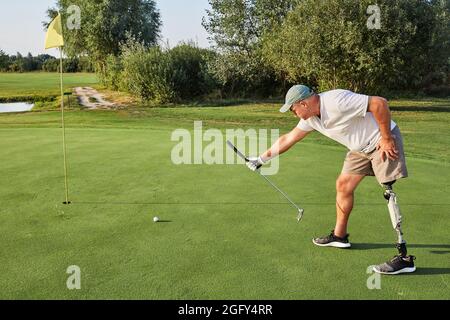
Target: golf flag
[[54, 37]]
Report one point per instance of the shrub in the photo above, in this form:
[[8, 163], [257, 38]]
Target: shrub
[[161, 76], [146, 73], [245, 75], [189, 73], [112, 77]]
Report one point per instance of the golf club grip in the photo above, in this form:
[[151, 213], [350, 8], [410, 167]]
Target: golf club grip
[[240, 154]]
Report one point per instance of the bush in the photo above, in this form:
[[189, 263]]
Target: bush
[[112, 77], [146, 73], [189, 71], [244, 75], [161, 76]]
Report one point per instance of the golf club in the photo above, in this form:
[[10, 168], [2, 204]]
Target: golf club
[[241, 155]]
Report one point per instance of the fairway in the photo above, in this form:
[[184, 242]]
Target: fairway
[[226, 235], [41, 83]]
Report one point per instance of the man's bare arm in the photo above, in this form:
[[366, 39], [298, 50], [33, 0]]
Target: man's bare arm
[[379, 108], [284, 143]]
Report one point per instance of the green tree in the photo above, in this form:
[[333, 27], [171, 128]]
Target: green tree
[[437, 81], [29, 64], [106, 24], [17, 63], [4, 61], [237, 25], [51, 65], [237, 28], [328, 43]]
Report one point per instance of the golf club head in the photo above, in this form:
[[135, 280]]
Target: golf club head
[[300, 215]]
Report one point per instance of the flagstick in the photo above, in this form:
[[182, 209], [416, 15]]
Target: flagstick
[[63, 129]]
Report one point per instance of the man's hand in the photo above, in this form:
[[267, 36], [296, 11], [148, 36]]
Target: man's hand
[[388, 148], [255, 164]]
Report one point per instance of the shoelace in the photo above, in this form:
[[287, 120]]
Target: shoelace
[[399, 257], [396, 258]]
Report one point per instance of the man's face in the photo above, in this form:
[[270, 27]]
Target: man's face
[[301, 110]]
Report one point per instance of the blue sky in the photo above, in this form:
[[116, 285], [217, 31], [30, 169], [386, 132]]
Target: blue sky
[[21, 29]]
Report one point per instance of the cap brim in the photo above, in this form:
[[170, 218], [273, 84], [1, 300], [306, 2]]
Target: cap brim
[[285, 108]]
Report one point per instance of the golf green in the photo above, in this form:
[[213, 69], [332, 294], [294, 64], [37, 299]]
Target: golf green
[[225, 234]]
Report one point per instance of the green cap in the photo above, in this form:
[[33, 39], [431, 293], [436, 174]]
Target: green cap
[[295, 94]]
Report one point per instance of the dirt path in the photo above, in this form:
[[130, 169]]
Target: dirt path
[[90, 98]]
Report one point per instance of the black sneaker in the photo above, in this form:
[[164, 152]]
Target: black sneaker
[[333, 241], [397, 265]]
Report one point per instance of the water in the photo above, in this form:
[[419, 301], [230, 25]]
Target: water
[[15, 107]]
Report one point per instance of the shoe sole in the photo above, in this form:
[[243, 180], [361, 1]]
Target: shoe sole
[[404, 270], [334, 244]]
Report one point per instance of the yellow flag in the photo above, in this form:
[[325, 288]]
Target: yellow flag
[[54, 37]]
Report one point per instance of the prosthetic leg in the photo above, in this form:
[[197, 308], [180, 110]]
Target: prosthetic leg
[[396, 217], [402, 263]]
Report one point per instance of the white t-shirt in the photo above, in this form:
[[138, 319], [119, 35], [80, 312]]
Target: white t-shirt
[[344, 118]]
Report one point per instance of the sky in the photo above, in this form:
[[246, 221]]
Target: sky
[[21, 28]]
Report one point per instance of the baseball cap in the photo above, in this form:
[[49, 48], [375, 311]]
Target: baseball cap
[[295, 94]]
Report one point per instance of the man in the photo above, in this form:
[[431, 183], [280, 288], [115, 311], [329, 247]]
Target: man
[[363, 124]]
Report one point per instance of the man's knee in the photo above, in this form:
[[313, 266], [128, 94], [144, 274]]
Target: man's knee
[[344, 185]]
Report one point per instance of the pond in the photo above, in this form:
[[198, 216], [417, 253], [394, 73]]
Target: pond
[[15, 107]]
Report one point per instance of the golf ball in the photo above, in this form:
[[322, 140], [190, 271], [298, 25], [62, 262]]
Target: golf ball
[[156, 219]]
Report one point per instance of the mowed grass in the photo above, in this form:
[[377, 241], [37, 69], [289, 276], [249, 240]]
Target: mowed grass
[[227, 234], [41, 84]]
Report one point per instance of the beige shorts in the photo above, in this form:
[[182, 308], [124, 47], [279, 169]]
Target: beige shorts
[[371, 164]]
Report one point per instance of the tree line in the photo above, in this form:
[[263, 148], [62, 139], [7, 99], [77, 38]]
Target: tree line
[[261, 47], [328, 44], [42, 62]]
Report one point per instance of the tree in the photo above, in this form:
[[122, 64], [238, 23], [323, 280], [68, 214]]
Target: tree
[[4, 61], [29, 64], [237, 28], [51, 65], [106, 24], [17, 63], [237, 25], [328, 43], [437, 81], [51, 14]]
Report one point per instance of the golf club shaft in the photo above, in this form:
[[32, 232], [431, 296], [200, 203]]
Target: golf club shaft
[[241, 155], [280, 191]]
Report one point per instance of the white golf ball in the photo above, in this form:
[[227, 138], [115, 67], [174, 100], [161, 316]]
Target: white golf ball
[[156, 219]]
